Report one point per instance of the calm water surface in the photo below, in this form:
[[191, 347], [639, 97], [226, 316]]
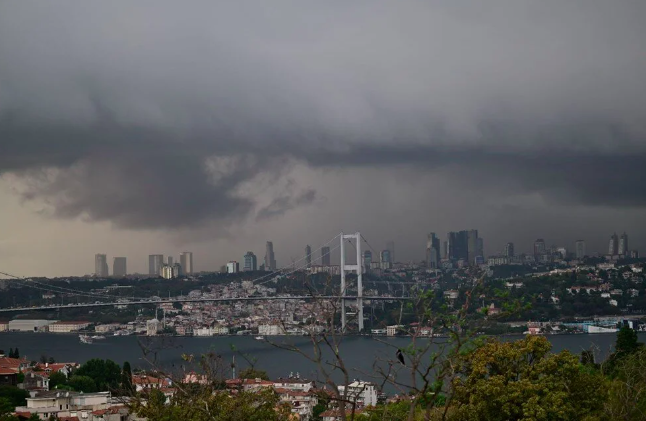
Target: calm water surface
[[359, 352]]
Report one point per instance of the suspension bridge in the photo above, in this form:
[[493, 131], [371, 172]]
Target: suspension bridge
[[343, 296]]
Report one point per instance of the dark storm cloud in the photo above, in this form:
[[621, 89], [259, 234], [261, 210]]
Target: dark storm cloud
[[282, 204], [157, 114]]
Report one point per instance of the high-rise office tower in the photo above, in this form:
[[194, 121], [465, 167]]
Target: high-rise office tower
[[445, 249], [613, 246], [170, 260], [155, 264], [458, 245], [385, 256], [509, 250], [119, 266], [472, 246], [270, 259], [250, 262], [390, 246], [186, 262], [432, 251], [367, 260], [480, 247], [623, 245], [579, 247], [325, 256], [539, 247], [308, 256], [100, 265]]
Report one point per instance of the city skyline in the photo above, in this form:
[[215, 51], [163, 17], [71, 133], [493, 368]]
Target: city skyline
[[406, 121], [323, 257]]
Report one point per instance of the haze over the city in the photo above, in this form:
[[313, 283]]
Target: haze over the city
[[156, 127]]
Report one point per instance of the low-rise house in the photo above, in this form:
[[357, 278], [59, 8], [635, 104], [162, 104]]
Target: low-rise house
[[35, 381], [248, 384], [8, 377], [145, 382]]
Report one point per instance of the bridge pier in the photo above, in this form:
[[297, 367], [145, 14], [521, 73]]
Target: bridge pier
[[349, 268]]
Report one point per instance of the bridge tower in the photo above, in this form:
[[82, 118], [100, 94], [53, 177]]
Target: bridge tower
[[349, 268]]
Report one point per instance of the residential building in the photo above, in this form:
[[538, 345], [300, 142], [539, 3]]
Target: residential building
[[29, 325], [67, 327], [394, 330], [100, 265], [579, 248], [171, 271], [390, 246], [155, 264], [65, 404], [363, 393], [613, 245], [119, 266], [233, 267], [509, 250], [8, 377], [623, 245], [250, 262], [308, 256], [432, 251], [35, 381], [4, 326], [270, 258], [325, 256], [186, 262]]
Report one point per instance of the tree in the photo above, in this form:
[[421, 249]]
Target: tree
[[627, 394], [83, 384], [16, 353], [57, 379], [106, 374], [126, 378], [5, 406], [17, 397], [252, 373], [626, 341], [522, 380]]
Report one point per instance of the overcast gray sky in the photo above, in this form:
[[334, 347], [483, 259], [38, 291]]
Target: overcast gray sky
[[156, 127]]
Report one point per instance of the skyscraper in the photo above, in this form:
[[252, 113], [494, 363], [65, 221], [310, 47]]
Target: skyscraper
[[509, 250], [432, 251], [472, 246], [308, 256], [386, 260], [623, 245], [367, 260], [325, 256], [170, 260], [186, 262], [390, 246], [119, 266], [480, 247], [250, 262], [539, 247], [155, 264], [613, 245], [458, 245], [270, 259], [579, 247], [100, 265]]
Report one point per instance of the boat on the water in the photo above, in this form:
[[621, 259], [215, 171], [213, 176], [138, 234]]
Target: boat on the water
[[259, 338], [98, 337], [85, 339]]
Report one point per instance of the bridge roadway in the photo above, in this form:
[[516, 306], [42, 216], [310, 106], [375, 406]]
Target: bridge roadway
[[199, 300]]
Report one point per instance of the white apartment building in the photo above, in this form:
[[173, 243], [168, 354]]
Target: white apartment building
[[67, 327], [153, 327], [65, 404], [364, 393]]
